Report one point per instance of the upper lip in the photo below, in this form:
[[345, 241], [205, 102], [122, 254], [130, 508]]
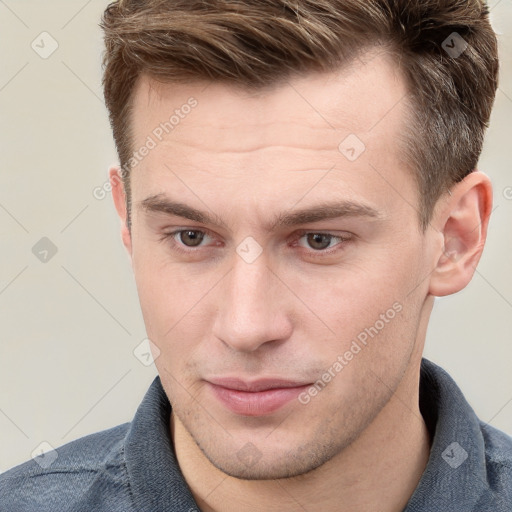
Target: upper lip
[[255, 385]]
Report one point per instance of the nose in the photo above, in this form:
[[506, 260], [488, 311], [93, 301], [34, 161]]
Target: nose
[[252, 307]]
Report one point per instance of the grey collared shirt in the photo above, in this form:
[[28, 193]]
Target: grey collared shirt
[[132, 467]]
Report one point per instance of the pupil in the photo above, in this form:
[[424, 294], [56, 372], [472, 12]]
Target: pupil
[[314, 238], [191, 238]]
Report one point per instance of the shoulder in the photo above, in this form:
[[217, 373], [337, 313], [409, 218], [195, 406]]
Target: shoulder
[[76, 476], [498, 451], [498, 462]]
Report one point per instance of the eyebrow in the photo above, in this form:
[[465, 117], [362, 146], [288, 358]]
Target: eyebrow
[[324, 211]]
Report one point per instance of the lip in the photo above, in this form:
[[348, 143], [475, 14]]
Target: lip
[[255, 398]]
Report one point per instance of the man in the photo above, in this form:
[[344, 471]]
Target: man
[[297, 183]]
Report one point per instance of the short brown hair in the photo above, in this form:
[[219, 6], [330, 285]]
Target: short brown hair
[[259, 43]]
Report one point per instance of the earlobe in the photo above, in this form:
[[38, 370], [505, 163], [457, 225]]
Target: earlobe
[[463, 221], [119, 198]]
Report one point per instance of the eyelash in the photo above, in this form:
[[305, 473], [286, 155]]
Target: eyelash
[[343, 240]]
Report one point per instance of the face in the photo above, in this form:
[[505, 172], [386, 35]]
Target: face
[[279, 261]]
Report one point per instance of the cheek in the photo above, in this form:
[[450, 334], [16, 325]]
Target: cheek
[[176, 304], [162, 296], [370, 302]]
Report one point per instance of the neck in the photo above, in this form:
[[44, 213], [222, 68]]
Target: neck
[[378, 471]]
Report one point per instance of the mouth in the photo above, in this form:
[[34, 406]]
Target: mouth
[[255, 398]]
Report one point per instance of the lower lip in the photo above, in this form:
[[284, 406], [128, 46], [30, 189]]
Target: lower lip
[[256, 403]]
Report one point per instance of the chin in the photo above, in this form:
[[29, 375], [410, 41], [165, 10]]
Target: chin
[[249, 463]]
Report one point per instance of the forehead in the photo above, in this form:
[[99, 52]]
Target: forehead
[[237, 140], [357, 96]]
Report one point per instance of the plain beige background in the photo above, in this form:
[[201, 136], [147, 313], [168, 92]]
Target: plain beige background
[[70, 325]]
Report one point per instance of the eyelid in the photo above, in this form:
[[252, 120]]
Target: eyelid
[[302, 232]]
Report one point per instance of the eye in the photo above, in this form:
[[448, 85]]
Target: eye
[[320, 242], [190, 237], [315, 244], [186, 240]]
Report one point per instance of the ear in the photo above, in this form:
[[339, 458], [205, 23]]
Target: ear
[[462, 220], [119, 197]]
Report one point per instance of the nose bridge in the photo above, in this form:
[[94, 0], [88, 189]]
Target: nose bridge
[[249, 312], [250, 283]]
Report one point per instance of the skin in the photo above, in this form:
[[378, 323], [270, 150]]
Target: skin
[[361, 443]]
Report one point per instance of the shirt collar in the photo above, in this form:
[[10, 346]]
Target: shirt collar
[[455, 475], [156, 481], [455, 472]]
